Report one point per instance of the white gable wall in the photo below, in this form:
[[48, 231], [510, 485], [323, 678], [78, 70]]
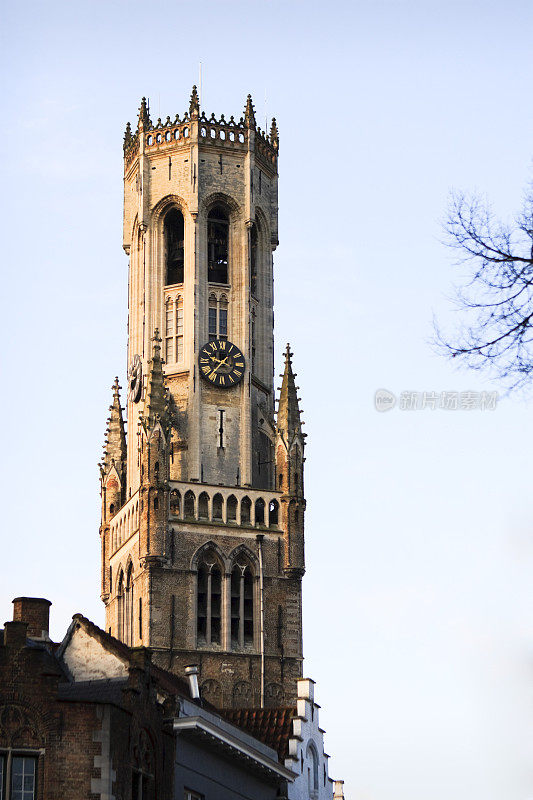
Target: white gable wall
[[87, 660]]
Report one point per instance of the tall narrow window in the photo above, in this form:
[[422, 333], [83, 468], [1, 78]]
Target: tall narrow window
[[169, 331], [209, 604], [174, 249], [253, 259], [217, 245], [242, 607], [312, 770], [252, 337], [120, 607], [218, 317], [128, 608], [174, 329], [213, 315], [179, 328], [223, 318]]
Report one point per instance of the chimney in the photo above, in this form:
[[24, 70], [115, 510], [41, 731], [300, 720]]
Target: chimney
[[36, 612], [15, 635], [192, 674]]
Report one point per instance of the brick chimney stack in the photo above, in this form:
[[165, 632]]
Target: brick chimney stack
[[36, 612]]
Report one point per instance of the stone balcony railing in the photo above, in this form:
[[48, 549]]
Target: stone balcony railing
[[228, 505]]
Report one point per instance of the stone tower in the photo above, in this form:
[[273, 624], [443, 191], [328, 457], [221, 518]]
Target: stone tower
[[203, 509]]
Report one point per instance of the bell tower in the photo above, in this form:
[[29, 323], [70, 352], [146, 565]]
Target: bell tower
[[202, 502]]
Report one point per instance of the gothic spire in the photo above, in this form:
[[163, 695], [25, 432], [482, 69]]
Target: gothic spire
[[194, 105], [156, 400], [274, 135], [127, 136], [288, 419], [249, 115], [144, 116], [115, 444]]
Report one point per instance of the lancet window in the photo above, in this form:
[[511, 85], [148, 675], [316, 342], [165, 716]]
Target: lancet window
[[253, 259], [174, 235], [209, 601], [217, 245], [242, 606]]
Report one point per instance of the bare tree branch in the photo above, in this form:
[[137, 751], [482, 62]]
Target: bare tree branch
[[496, 300]]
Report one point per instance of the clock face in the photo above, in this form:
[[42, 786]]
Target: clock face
[[221, 363], [135, 374]]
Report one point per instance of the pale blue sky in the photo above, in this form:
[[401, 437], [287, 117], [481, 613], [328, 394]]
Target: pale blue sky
[[418, 598]]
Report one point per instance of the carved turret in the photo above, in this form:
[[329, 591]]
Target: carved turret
[[290, 442], [115, 445], [154, 446], [112, 474], [156, 403]]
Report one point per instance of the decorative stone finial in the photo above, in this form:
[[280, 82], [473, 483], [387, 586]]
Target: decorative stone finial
[[144, 116], [156, 399], [274, 135], [115, 440], [194, 105], [249, 115], [127, 136], [288, 417]]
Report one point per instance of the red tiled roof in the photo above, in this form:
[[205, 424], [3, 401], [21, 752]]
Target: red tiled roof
[[272, 726]]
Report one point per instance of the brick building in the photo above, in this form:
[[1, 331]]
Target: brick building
[[94, 718]]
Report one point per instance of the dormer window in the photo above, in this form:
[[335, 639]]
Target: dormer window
[[217, 245]]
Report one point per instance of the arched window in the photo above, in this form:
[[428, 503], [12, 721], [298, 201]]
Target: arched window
[[127, 637], [217, 245], [231, 508], [217, 506], [143, 775], [252, 337], [208, 602], [188, 505], [120, 606], [203, 506], [175, 502], [273, 513], [312, 769], [174, 250], [242, 605], [246, 506], [260, 512], [253, 259]]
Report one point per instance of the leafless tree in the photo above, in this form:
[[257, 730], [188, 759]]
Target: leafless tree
[[496, 299]]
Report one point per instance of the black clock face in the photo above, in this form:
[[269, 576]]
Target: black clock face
[[221, 363]]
